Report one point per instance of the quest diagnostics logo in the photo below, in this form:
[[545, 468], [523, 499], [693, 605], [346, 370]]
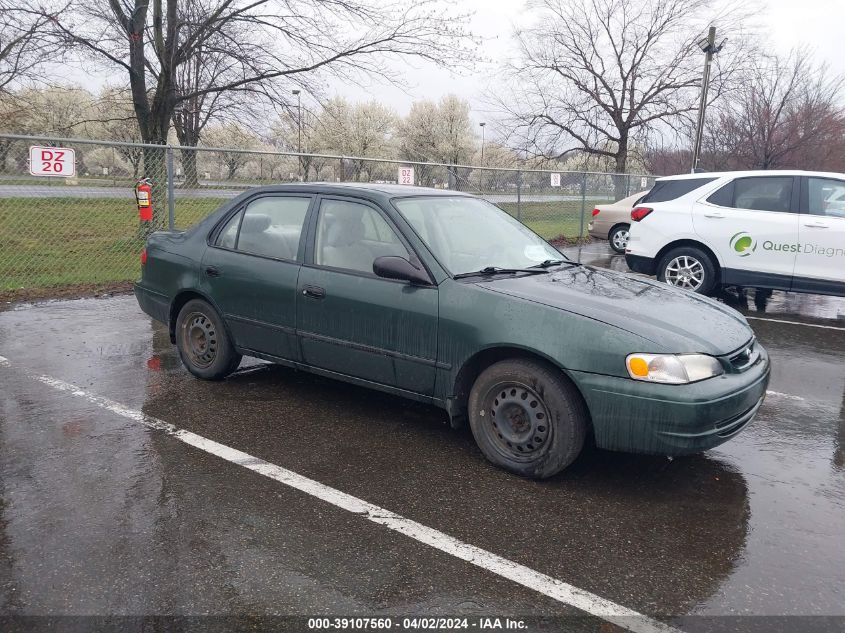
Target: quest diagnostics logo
[[743, 244]]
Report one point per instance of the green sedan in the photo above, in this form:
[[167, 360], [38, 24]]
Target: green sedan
[[444, 298]]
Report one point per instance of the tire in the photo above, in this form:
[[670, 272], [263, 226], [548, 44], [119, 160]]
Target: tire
[[527, 418], [618, 237], [689, 268], [203, 342]]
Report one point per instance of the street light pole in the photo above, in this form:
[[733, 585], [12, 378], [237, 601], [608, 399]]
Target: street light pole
[[481, 171], [298, 94], [709, 48]]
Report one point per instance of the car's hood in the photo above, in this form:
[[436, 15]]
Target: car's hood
[[675, 320]]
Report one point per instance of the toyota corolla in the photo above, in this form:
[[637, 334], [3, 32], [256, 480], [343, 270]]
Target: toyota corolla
[[444, 298]]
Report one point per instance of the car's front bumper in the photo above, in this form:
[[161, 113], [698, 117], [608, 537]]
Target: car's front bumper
[[642, 417]]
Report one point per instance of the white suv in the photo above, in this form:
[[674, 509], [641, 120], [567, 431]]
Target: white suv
[[763, 229]]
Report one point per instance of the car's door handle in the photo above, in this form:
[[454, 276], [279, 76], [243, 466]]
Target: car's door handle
[[315, 292], [212, 271], [714, 214], [817, 225]]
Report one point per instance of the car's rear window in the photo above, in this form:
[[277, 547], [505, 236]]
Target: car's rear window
[[666, 190]]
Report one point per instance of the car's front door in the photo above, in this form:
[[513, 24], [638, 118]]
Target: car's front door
[[752, 223], [250, 270], [352, 322], [820, 266]]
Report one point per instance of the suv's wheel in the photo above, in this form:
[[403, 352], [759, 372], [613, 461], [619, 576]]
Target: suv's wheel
[[689, 268], [202, 341], [618, 237], [527, 418]]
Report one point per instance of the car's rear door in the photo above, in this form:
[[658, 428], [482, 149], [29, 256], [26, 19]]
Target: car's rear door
[[752, 223], [350, 321], [820, 266], [250, 271]]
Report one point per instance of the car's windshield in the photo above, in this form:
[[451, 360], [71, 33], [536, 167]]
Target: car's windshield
[[469, 234]]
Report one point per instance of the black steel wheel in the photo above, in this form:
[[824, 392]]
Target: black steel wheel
[[519, 418], [203, 343], [200, 339], [527, 417]]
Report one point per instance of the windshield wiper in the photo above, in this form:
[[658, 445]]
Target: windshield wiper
[[555, 262], [496, 270]]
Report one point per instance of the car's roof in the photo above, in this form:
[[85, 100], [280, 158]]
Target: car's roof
[[752, 172], [382, 189]]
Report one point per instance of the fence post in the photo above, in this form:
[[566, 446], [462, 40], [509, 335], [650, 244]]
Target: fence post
[[171, 195], [583, 210], [519, 196]]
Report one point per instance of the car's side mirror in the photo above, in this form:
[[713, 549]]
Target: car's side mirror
[[393, 267]]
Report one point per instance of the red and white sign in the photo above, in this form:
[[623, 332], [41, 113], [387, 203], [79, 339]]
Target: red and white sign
[[52, 161], [406, 176]]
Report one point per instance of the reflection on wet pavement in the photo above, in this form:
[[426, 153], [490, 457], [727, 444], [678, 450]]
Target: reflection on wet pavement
[[101, 515]]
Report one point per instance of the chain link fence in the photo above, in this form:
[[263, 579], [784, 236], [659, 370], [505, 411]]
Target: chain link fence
[[82, 232]]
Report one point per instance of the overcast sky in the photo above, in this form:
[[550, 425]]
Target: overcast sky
[[788, 23]]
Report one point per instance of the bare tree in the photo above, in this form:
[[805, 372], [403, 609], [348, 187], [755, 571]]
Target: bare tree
[[209, 66], [23, 42], [234, 137], [787, 112], [289, 131], [361, 129], [116, 116], [438, 132], [594, 76], [151, 40]]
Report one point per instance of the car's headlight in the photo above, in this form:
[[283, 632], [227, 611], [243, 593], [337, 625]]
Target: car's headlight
[[672, 369]]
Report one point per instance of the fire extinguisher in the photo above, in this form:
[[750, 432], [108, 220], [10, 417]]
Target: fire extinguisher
[[144, 198]]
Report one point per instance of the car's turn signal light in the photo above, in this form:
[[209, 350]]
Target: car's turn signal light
[[639, 213], [143, 257], [596, 212]]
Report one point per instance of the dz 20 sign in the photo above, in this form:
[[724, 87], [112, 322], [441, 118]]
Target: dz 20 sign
[[52, 161]]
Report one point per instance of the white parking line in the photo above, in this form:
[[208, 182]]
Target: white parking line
[[520, 574], [824, 327]]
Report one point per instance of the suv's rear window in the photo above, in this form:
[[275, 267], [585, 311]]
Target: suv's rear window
[[665, 190]]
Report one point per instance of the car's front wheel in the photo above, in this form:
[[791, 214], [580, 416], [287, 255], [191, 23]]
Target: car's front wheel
[[618, 237], [689, 268], [527, 417], [202, 341]]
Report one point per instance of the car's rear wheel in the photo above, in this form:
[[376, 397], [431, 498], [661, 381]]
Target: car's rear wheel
[[618, 237], [203, 343], [527, 417], [689, 268]]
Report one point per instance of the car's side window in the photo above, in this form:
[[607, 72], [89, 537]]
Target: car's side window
[[228, 236], [272, 226], [666, 190], [351, 236], [723, 196], [764, 193], [826, 197]]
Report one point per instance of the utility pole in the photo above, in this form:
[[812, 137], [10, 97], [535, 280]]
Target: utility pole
[[709, 48], [298, 94], [481, 171]]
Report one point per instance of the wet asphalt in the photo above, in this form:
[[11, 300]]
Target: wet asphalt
[[101, 515]]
